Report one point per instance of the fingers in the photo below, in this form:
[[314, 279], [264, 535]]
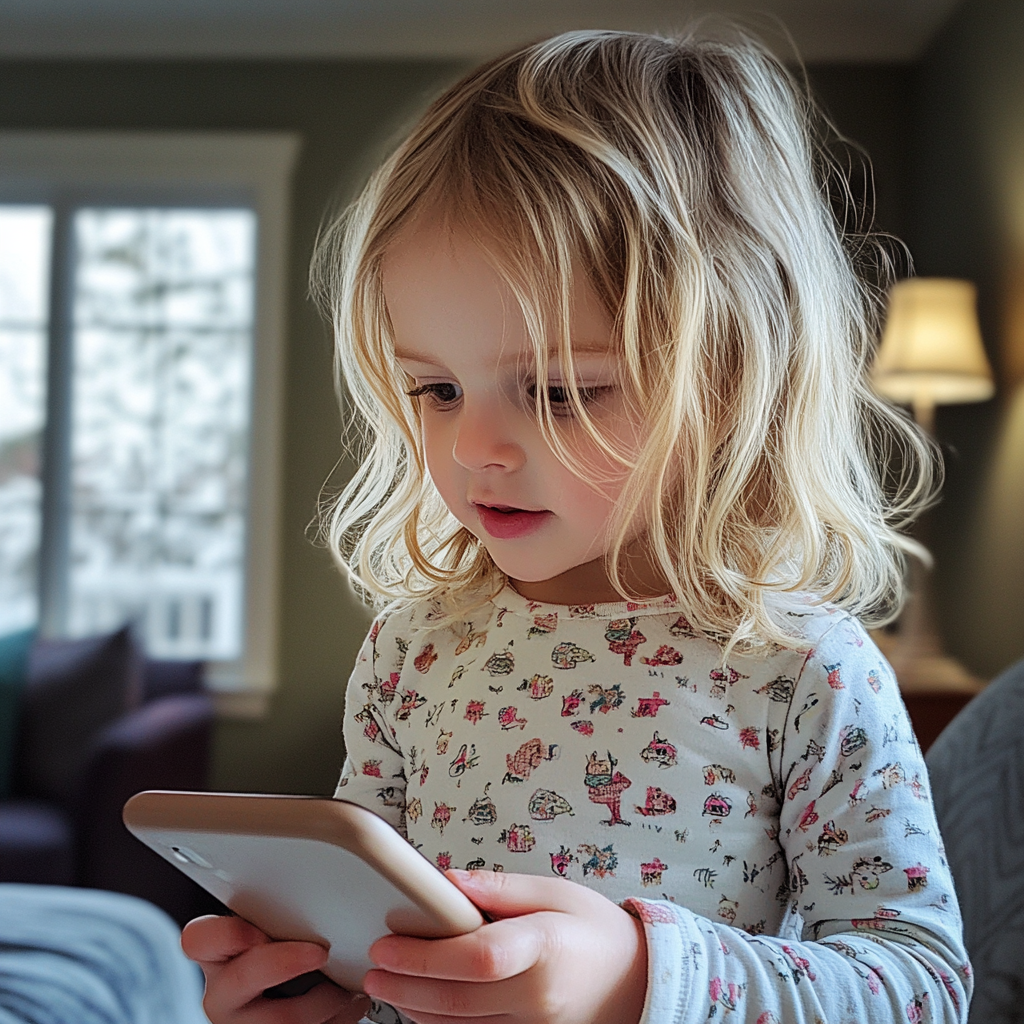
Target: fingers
[[325, 1004], [238, 981], [556, 947], [417, 997], [433, 1018], [240, 961], [423, 1017], [527, 996], [215, 939], [493, 952], [507, 894]]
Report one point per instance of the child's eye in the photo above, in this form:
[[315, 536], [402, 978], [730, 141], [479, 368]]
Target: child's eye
[[560, 397], [442, 393]]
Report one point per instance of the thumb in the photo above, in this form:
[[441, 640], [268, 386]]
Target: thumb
[[507, 894]]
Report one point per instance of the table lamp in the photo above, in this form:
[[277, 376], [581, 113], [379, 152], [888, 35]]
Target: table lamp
[[931, 354]]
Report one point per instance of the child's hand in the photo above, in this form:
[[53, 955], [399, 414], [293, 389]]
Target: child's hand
[[240, 961], [557, 952]]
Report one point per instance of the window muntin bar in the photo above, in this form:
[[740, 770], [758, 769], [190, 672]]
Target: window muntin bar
[[25, 236]]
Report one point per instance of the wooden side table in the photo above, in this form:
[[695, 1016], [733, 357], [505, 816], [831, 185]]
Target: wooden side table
[[930, 713]]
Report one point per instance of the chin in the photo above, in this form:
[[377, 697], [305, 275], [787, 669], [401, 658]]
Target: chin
[[528, 574], [524, 576]]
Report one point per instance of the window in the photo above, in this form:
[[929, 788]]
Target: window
[[140, 326], [24, 269]]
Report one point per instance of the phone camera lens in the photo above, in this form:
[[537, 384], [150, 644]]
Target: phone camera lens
[[184, 855]]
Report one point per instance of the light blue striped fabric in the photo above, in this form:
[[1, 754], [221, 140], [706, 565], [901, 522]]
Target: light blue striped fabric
[[82, 956]]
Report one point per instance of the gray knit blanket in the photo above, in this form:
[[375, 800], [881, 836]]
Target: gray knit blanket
[[977, 774], [81, 956]]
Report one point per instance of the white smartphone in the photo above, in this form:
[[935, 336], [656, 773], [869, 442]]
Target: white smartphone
[[326, 871]]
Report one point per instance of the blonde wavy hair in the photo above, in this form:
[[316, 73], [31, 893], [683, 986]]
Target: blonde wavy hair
[[682, 177]]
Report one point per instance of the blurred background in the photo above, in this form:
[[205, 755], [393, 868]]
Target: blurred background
[[167, 413]]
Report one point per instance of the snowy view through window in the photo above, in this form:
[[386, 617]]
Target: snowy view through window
[[24, 296], [162, 337]]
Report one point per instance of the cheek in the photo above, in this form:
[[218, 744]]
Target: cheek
[[442, 468], [602, 482], [608, 474], [589, 505]]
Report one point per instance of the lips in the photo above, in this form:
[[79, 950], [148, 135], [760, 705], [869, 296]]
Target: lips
[[505, 522]]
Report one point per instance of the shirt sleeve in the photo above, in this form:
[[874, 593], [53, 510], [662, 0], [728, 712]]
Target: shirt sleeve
[[873, 931], [374, 771]]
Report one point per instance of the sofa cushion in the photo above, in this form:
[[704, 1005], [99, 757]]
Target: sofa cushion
[[169, 678], [14, 648], [36, 844], [74, 689]]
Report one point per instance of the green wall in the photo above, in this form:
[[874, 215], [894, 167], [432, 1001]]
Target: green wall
[[967, 220], [946, 137], [871, 106]]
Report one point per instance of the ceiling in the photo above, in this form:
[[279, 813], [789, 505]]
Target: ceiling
[[822, 30]]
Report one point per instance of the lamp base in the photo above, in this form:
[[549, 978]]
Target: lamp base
[[922, 667], [916, 651]]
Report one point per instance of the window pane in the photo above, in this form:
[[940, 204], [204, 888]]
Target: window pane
[[162, 339], [25, 233]]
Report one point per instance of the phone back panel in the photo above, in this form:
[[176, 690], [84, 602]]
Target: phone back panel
[[304, 886]]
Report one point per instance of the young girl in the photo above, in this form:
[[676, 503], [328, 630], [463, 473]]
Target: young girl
[[621, 499]]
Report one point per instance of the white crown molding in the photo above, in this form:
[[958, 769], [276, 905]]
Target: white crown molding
[[822, 30]]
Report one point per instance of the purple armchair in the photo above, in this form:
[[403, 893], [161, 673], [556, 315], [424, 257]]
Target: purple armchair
[[98, 723]]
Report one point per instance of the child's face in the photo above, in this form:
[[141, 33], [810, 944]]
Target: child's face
[[461, 336]]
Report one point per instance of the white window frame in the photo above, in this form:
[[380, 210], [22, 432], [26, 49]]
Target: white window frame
[[173, 168]]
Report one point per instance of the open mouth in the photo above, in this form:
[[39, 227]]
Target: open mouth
[[506, 522]]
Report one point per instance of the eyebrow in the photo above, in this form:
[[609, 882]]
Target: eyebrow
[[413, 357], [583, 350]]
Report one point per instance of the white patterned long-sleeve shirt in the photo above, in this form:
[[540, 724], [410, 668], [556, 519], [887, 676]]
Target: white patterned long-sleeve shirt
[[768, 818]]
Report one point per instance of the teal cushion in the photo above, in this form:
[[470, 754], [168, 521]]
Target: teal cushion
[[14, 649]]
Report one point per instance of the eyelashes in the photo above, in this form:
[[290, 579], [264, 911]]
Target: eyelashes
[[445, 394], [561, 397], [442, 393]]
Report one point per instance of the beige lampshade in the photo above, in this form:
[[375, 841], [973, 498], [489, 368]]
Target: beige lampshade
[[931, 352]]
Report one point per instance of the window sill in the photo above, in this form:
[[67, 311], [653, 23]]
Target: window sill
[[249, 706]]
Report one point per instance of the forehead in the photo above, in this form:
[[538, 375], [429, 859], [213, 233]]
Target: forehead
[[441, 284]]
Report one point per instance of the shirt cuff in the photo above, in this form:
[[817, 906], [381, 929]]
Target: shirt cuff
[[674, 961]]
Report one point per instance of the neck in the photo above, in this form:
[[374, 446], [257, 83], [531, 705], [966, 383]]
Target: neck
[[589, 583]]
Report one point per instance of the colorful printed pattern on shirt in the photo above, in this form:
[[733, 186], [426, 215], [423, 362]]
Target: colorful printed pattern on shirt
[[612, 746]]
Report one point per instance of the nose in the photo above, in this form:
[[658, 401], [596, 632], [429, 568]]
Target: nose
[[486, 438]]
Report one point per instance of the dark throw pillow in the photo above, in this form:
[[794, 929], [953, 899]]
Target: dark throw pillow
[[74, 689], [168, 678], [14, 650]]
